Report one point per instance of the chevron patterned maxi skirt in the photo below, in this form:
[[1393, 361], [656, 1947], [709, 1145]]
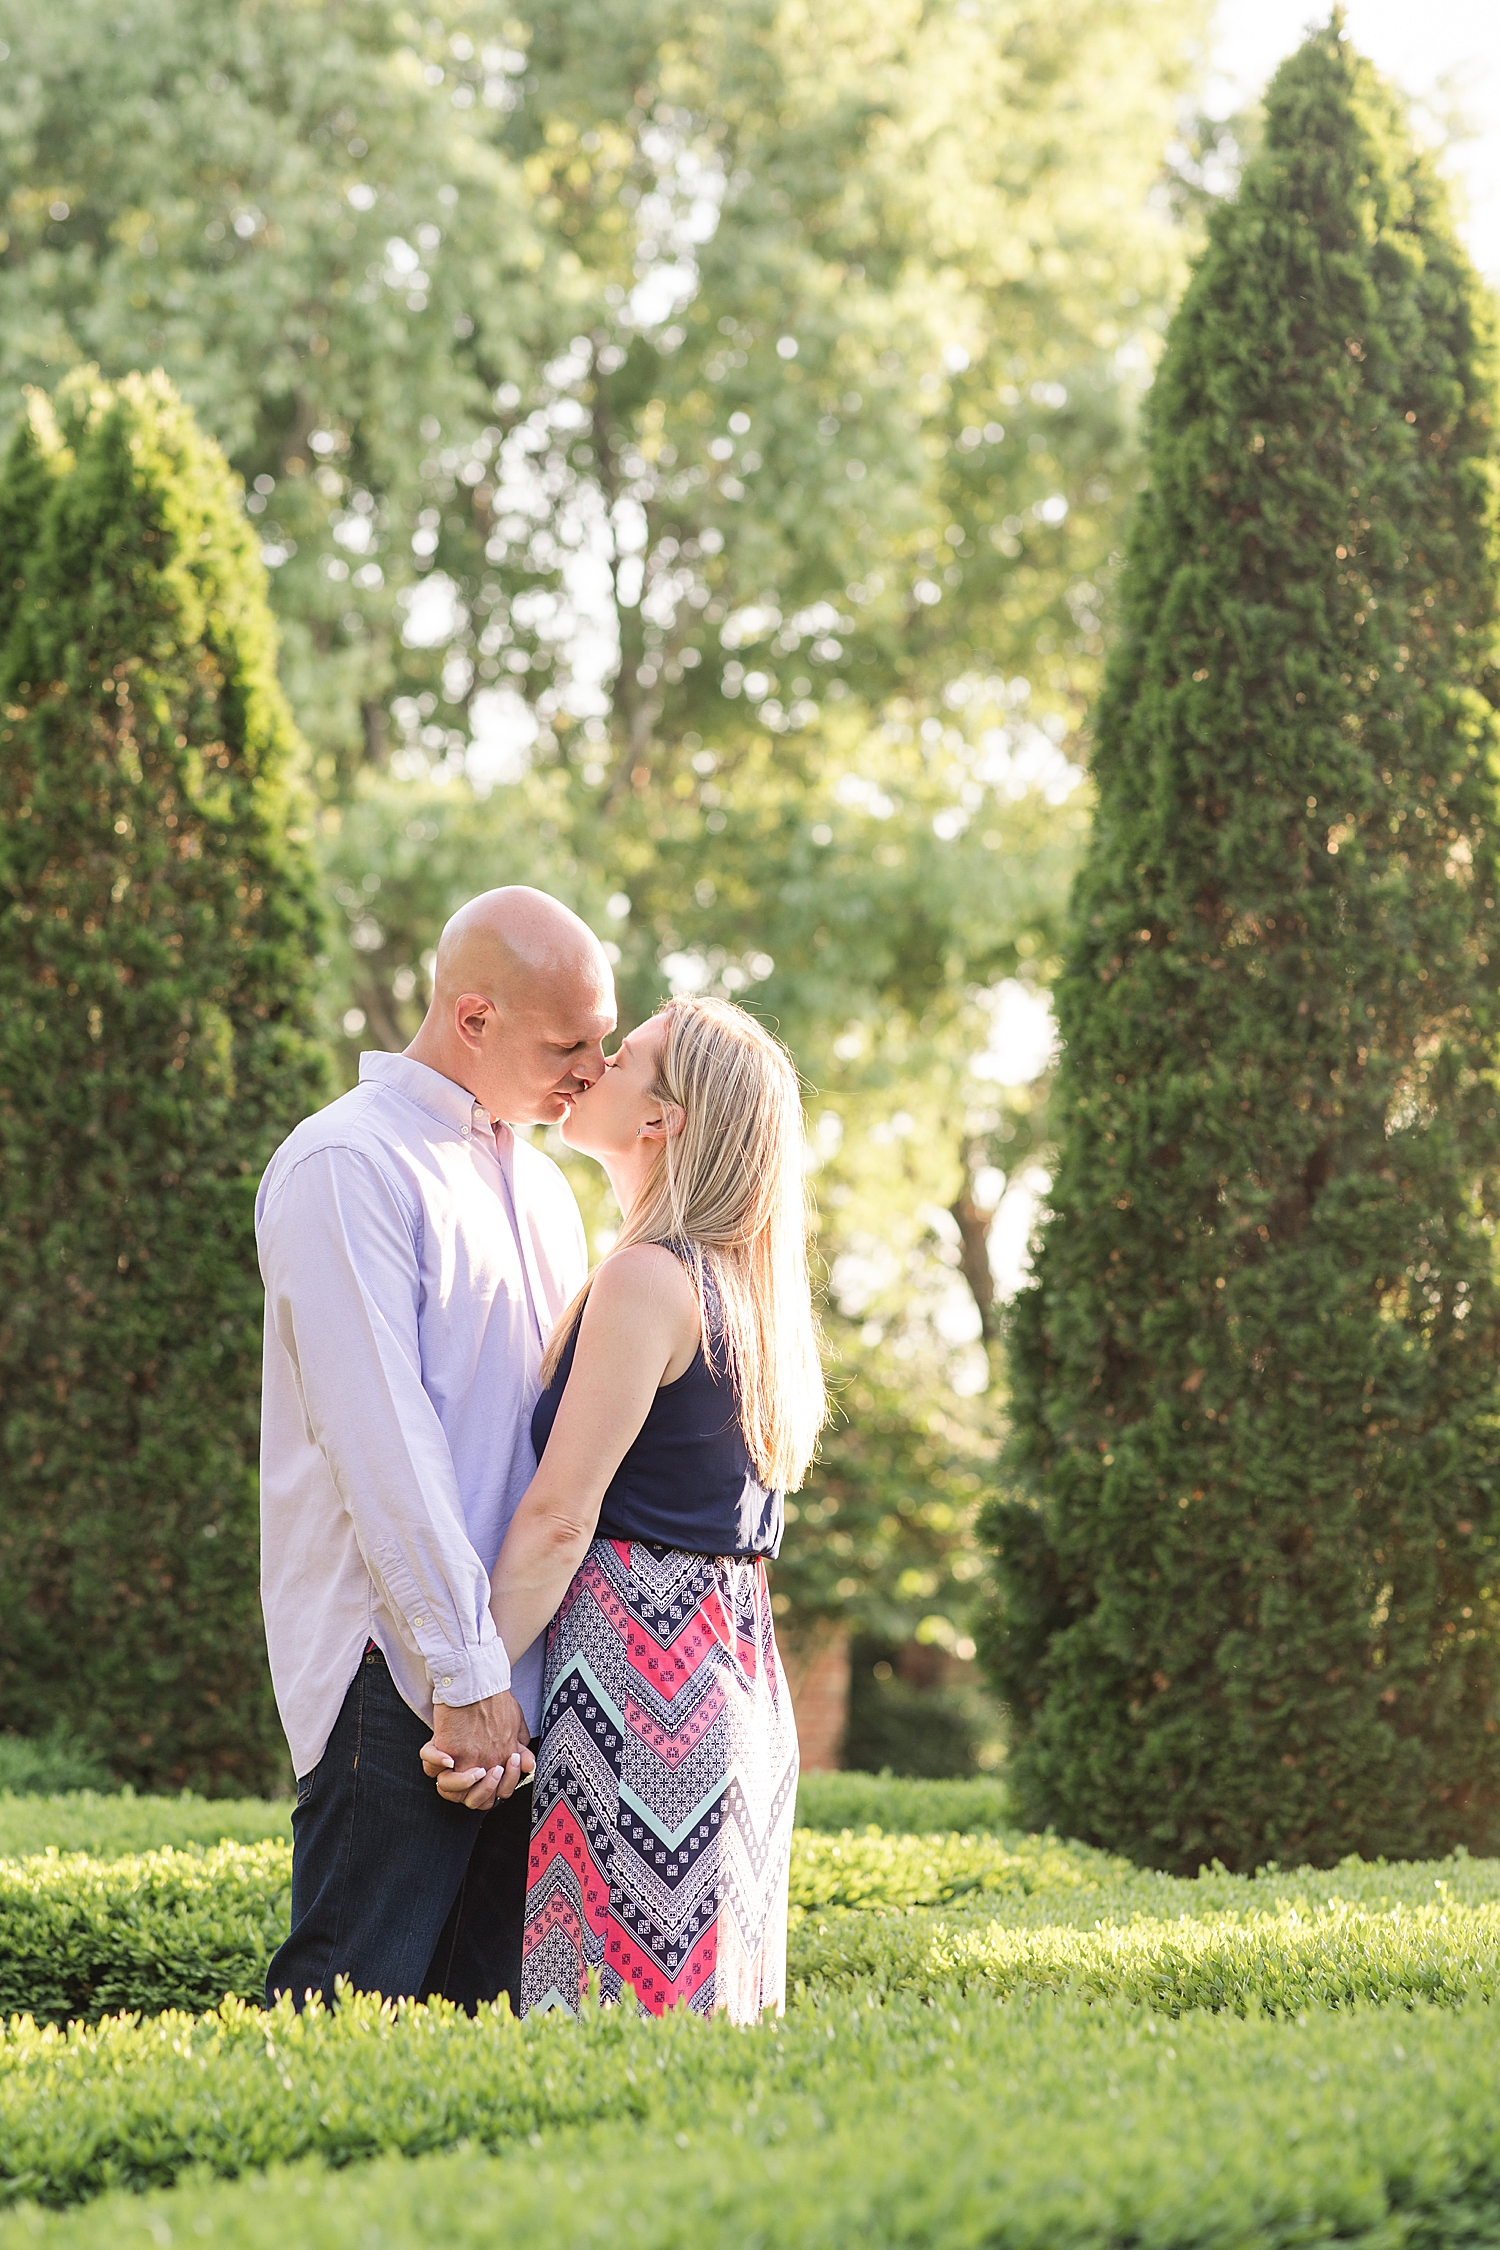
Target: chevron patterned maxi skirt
[[665, 1788]]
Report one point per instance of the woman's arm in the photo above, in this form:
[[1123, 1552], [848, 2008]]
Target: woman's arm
[[640, 1328], [640, 1321]]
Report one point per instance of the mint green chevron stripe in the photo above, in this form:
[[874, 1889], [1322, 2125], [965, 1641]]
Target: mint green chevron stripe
[[606, 1702], [549, 2000], [652, 1816]]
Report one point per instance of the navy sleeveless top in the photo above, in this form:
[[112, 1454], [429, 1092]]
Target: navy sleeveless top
[[687, 1481]]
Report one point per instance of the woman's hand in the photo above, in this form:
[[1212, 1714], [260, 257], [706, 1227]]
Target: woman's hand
[[476, 1787]]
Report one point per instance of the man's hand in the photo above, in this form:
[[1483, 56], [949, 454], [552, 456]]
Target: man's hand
[[478, 1750]]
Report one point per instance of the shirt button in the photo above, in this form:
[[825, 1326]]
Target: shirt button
[[447, 1681], [418, 1623], [464, 1131]]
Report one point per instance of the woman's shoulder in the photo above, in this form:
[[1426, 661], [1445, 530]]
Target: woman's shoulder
[[643, 1274], [642, 1300]]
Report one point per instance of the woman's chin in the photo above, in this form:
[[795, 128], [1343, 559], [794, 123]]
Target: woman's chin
[[576, 1135]]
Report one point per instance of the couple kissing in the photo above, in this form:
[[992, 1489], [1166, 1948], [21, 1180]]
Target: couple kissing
[[516, 1515]]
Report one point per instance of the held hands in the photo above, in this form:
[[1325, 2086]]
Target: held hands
[[478, 1751]]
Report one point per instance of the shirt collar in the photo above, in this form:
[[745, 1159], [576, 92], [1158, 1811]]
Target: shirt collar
[[443, 1098]]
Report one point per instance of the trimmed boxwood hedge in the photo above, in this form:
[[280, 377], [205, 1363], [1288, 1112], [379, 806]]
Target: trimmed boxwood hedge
[[991, 2039], [1053, 2127], [180, 1929], [110, 1826], [82, 1938], [113, 1827], [85, 1937]]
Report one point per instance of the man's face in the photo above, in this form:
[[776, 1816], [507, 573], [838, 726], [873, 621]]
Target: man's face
[[532, 1063]]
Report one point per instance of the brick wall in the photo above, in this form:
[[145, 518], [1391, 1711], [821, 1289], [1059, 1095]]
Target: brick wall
[[816, 1659]]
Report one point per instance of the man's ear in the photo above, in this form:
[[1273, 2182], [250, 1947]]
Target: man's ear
[[471, 1011], [667, 1126]]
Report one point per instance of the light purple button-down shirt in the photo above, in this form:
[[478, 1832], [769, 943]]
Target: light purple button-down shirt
[[414, 1259]]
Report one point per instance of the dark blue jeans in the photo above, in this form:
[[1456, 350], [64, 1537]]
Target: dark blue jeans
[[391, 1887]]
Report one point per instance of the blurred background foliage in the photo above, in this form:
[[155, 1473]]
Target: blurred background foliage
[[690, 449]]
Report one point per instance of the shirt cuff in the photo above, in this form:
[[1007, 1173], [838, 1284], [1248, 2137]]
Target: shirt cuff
[[471, 1677]]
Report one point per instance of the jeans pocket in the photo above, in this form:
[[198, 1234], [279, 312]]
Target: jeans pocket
[[305, 1786]]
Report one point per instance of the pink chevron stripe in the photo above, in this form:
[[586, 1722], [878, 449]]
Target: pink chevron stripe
[[653, 1988], [561, 1838], [673, 1744], [668, 1669], [556, 1913]]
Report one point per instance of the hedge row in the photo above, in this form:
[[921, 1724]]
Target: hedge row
[[833, 1801], [88, 1938], [1275, 1965], [180, 1929], [118, 1827], [160, 934], [1042, 2128], [110, 1827]]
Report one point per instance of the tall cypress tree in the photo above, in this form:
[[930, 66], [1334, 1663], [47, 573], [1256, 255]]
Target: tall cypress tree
[[1249, 1558], [157, 934]]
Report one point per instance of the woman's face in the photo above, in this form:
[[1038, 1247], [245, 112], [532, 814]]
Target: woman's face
[[607, 1120]]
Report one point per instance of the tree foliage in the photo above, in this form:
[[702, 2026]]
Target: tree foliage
[[155, 965], [1250, 1574], [639, 363], [331, 261], [848, 405], [827, 478], [887, 937], [708, 435], [669, 401]]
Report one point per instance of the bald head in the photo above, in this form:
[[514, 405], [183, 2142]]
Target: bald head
[[512, 944], [522, 997]]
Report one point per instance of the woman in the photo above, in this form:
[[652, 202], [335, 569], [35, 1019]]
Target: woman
[[682, 1397]]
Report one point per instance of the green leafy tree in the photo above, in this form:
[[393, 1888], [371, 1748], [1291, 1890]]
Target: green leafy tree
[[726, 419], [1249, 1577], [302, 214], [888, 937], [852, 355], [829, 471], [159, 934], [666, 399], [668, 371]]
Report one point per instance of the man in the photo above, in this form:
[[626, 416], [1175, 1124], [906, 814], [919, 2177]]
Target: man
[[415, 1255]]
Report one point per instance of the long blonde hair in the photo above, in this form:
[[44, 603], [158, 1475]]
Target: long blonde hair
[[731, 1188]]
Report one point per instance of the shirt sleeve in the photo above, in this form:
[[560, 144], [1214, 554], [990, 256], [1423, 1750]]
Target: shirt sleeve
[[338, 1255]]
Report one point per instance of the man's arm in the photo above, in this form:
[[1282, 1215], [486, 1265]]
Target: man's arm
[[339, 1257]]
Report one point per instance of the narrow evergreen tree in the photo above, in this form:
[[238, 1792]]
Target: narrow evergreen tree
[[157, 935], [1250, 1597]]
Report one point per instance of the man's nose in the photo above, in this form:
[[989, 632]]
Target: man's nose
[[591, 1068]]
